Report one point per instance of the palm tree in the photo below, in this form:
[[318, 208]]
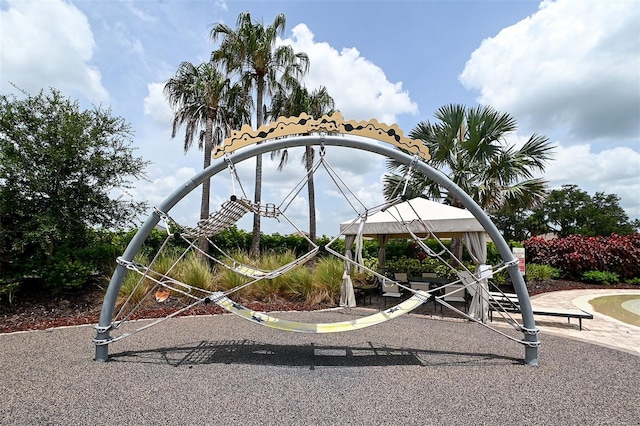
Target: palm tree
[[208, 105], [250, 51], [290, 103], [469, 146]]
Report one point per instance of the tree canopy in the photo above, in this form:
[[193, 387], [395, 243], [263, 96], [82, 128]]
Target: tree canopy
[[63, 173], [568, 211]]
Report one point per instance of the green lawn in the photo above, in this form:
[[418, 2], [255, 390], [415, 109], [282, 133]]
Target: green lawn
[[612, 306]]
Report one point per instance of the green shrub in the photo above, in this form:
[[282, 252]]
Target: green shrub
[[537, 272], [372, 264], [134, 288], [411, 266], [500, 278], [600, 277], [397, 248], [298, 284], [273, 289], [227, 278], [634, 281], [190, 270], [66, 274], [327, 280], [8, 287], [313, 285], [277, 243], [195, 271]]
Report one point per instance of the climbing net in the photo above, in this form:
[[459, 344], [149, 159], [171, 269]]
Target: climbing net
[[156, 280]]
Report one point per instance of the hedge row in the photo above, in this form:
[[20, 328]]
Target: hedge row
[[577, 254]]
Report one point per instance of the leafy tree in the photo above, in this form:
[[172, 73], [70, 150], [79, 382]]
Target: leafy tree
[[606, 217], [571, 211], [251, 52], [208, 105], [563, 210], [469, 146], [518, 225], [288, 103], [63, 172], [568, 211]]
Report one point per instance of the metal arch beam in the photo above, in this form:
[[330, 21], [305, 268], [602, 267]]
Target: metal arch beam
[[104, 324]]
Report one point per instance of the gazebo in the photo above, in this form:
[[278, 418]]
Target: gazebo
[[416, 217]]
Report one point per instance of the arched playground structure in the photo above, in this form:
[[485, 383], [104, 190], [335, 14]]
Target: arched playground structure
[[327, 134]]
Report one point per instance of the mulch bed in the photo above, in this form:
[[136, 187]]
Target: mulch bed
[[40, 310]]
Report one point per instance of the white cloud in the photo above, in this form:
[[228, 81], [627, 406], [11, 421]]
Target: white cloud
[[359, 87], [122, 36], [221, 4], [161, 184], [156, 106], [140, 14], [48, 44], [573, 66], [159, 187], [571, 71]]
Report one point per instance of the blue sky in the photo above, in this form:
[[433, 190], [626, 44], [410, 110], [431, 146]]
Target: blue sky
[[567, 69]]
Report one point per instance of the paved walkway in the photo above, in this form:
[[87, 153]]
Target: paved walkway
[[601, 330]]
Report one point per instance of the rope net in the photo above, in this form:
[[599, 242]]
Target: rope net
[[158, 278], [228, 215]]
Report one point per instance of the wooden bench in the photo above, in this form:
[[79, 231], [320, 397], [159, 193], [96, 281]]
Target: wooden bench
[[551, 312], [509, 299]]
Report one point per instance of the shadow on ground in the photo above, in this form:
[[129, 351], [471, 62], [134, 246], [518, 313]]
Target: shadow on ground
[[308, 356]]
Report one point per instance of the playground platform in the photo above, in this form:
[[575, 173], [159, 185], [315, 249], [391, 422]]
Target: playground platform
[[225, 370]]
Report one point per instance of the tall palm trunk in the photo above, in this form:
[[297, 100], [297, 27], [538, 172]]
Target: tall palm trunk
[[312, 194], [206, 185], [254, 251]]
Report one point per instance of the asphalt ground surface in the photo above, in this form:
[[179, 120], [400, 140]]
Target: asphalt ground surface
[[225, 370]]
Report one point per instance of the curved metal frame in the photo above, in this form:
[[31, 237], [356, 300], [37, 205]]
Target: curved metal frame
[[529, 328]]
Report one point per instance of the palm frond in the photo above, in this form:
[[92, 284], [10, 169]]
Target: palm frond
[[470, 147]]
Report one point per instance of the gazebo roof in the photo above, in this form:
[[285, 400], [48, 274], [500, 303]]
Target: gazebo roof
[[443, 220]]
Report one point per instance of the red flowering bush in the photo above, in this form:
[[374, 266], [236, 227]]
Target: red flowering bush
[[577, 254]]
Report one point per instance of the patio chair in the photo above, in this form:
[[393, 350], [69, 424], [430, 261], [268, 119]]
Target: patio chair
[[363, 292], [429, 275], [389, 289], [401, 277], [426, 287], [454, 293]]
